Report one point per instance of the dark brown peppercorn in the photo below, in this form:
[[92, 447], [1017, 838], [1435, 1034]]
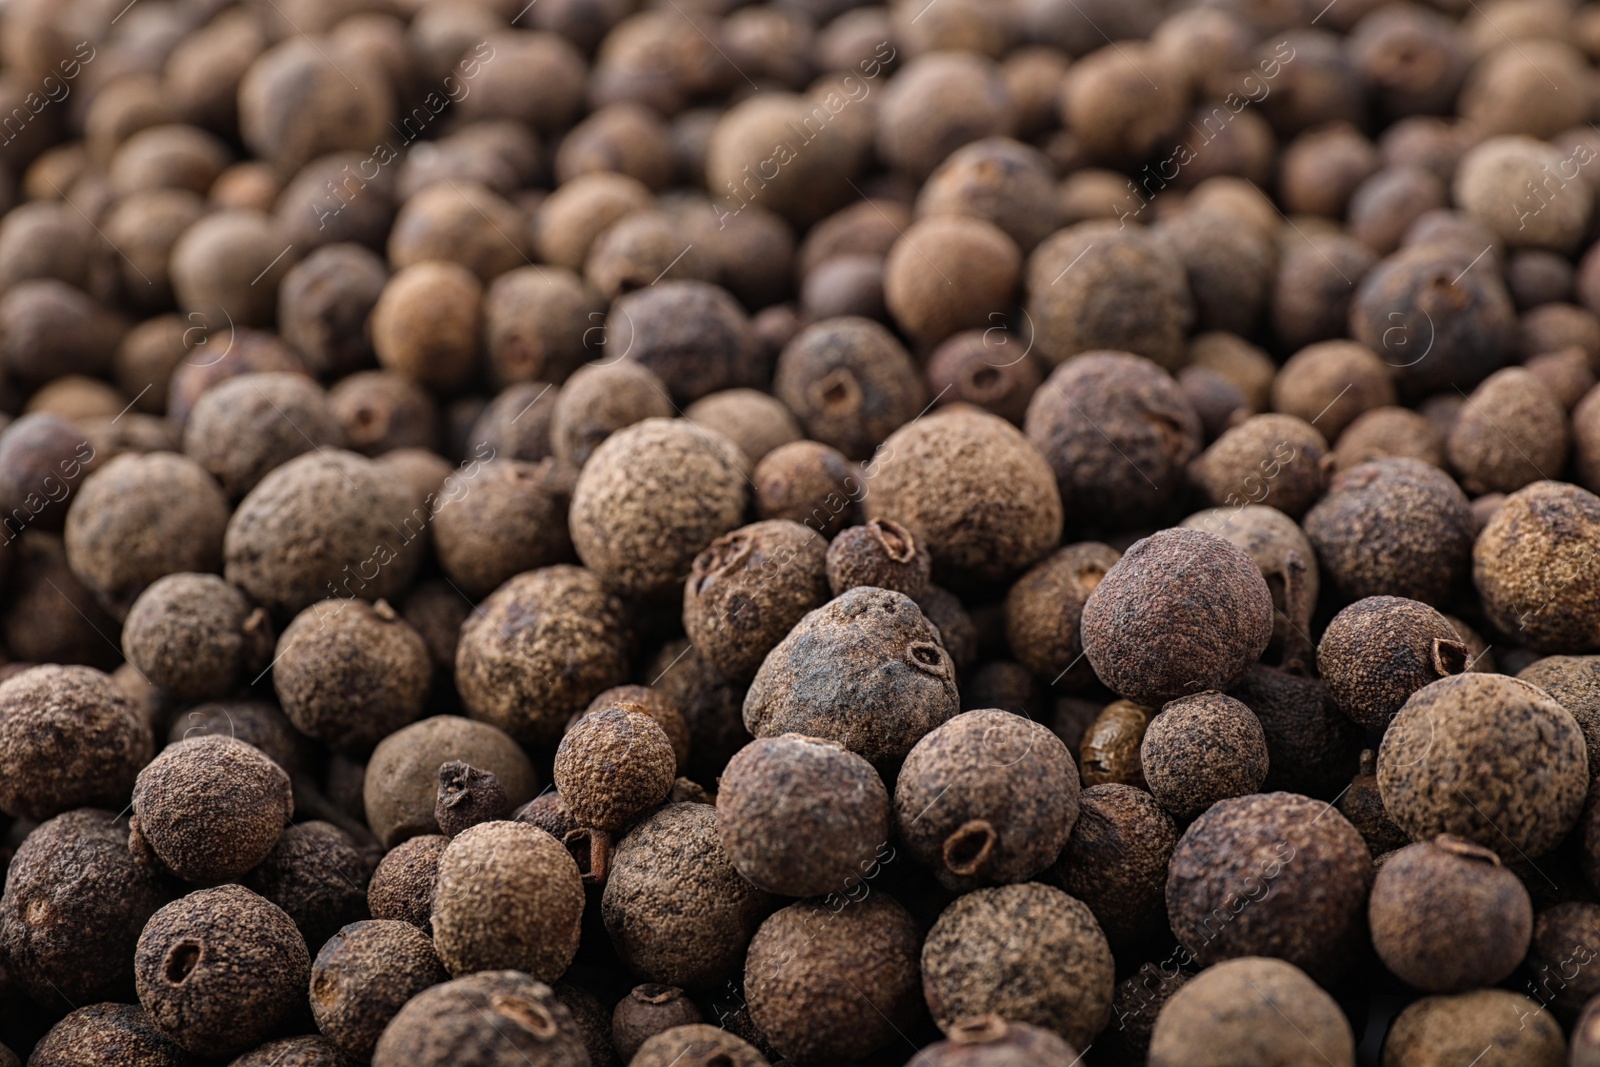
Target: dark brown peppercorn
[[611, 767], [1000, 181], [1563, 935], [749, 588], [1487, 758], [318, 876], [990, 1041], [1116, 860], [1390, 432], [1057, 975], [659, 704], [364, 975], [467, 797], [640, 249], [1392, 527], [323, 306], [1443, 1030], [802, 817], [850, 383], [832, 986], [867, 670], [1447, 917], [1566, 374], [402, 886], [515, 424], [1532, 446], [989, 369], [246, 797], [196, 637], [1230, 267], [73, 907], [43, 458], [988, 798], [1362, 804], [810, 483], [402, 780], [1251, 1013], [1574, 682], [220, 969], [509, 518], [646, 1011], [881, 553], [1118, 433], [1322, 168], [677, 911], [693, 336], [1311, 747], [1378, 651], [1044, 609], [697, 1045], [508, 896], [751, 419], [309, 1051], [1316, 283], [1533, 565], [593, 1022], [1182, 611], [68, 739], [1273, 874], [1202, 749], [949, 273], [493, 1019], [382, 411], [425, 323], [1330, 383], [1273, 459], [50, 329], [1109, 750], [600, 399], [107, 1035]]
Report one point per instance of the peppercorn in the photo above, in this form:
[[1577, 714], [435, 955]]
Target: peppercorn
[[1276, 458], [144, 226], [310, 1051], [611, 767], [831, 986], [509, 519], [323, 305], [641, 249], [644, 542], [1454, 760], [507, 896], [220, 969], [215, 353], [1115, 860], [1311, 747], [883, 554], [383, 412], [1392, 527], [1566, 375], [677, 911], [538, 324], [1388, 432], [1230, 268], [402, 780], [754, 421], [196, 637], [460, 224], [1362, 804], [810, 483], [515, 425], [869, 227], [1498, 1026], [949, 273], [47, 616], [467, 797], [1447, 917], [68, 739], [107, 1035], [1380, 650], [649, 1010], [1321, 169], [844, 285], [697, 1045], [246, 426], [1532, 565], [1385, 206], [43, 458], [401, 887], [990, 1041], [711, 707], [326, 202], [575, 214], [691, 334], [1109, 750], [984, 368], [1059, 976], [425, 323], [850, 383], [490, 1019], [44, 239], [598, 400], [1316, 284], [1202, 749], [592, 1020], [1491, 459], [1251, 1012], [1096, 286]]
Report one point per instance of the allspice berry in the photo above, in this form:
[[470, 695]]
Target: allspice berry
[[1446, 916], [1201, 749], [867, 670], [107, 1035], [1251, 1012], [692, 335], [508, 897], [949, 273], [312, 1050], [467, 797], [196, 637], [801, 817], [402, 886], [351, 673], [1329, 384], [600, 399], [1272, 874], [318, 876], [646, 1011], [539, 649], [1378, 651], [492, 1019], [1109, 750], [1311, 746], [677, 911], [246, 798], [697, 1045], [1044, 611], [831, 987], [990, 1041], [1515, 1030], [248, 425], [988, 798], [1511, 432], [221, 969], [881, 553], [749, 588], [1487, 758], [1388, 432], [751, 419], [401, 787], [1182, 611], [1266, 459], [635, 532], [809, 482], [1059, 977], [850, 382], [1533, 565], [510, 517], [611, 767], [426, 321], [69, 738], [1574, 682], [1115, 860]]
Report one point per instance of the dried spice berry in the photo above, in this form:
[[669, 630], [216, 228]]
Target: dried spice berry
[[833, 986], [990, 1041], [867, 670], [1563, 935], [1286, 561], [1378, 651], [68, 739], [195, 636], [351, 673], [1116, 860], [692, 335], [73, 907], [801, 817], [508, 896], [107, 1035], [1362, 804], [1182, 611], [1330, 383], [697, 1045], [1533, 567], [1311, 746], [467, 797], [1044, 610], [1315, 287], [1274, 874], [1202, 749], [402, 780], [749, 588], [612, 767], [711, 707], [43, 458], [323, 305], [1392, 527], [1438, 1031], [1566, 374], [600, 399], [977, 367], [646, 1011], [988, 798], [1574, 683], [850, 383], [312, 1051], [402, 885], [1058, 976], [677, 911], [635, 533], [510, 518], [248, 425], [492, 1019], [810, 483], [1487, 758], [1447, 917], [246, 798], [539, 649], [754, 421], [656, 703], [318, 876], [1109, 750], [1533, 446], [1118, 433], [1271, 459], [949, 273], [384, 412], [1250, 1012], [592, 1020], [1388, 432], [882, 553], [220, 969], [364, 975]]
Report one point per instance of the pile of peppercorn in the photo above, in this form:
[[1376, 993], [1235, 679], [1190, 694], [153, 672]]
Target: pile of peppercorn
[[696, 533]]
